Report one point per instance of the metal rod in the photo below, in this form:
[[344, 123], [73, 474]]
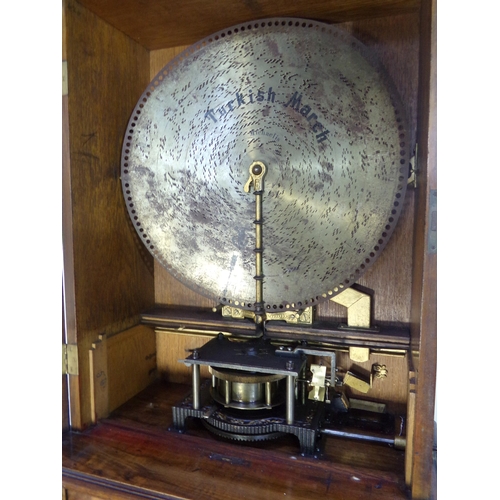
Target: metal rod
[[228, 391], [397, 442], [290, 399], [303, 385], [259, 276], [257, 173], [196, 386], [268, 394]]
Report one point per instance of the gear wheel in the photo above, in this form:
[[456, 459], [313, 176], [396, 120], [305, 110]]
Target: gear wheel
[[242, 437]]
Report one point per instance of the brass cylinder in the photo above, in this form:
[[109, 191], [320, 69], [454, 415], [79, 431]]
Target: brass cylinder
[[246, 393], [247, 390]]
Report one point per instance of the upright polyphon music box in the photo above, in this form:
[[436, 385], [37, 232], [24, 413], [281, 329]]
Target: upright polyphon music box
[[249, 229]]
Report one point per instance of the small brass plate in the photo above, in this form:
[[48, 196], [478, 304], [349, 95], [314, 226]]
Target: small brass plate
[[356, 382]]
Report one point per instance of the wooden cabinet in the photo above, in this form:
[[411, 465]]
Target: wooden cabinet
[[128, 374]]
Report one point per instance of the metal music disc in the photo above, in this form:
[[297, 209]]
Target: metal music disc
[[312, 104]]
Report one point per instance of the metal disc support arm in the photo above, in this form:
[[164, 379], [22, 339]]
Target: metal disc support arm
[[257, 172], [358, 306]]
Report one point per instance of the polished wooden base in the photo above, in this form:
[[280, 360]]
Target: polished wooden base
[[132, 454]]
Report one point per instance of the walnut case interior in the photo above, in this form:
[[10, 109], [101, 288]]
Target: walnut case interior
[[128, 374]]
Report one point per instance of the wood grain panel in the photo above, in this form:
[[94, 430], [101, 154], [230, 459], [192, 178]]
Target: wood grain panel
[[99, 385], [81, 495], [63, 31], [65, 403], [169, 23], [424, 304], [173, 347], [158, 58], [113, 275], [70, 382], [170, 291], [131, 363], [65, 195]]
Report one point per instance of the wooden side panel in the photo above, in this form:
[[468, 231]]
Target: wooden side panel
[[99, 387], [69, 382], [65, 163], [65, 403], [131, 363], [120, 367], [78, 495], [168, 23], [410, 428], [111, 272], [424, 303]]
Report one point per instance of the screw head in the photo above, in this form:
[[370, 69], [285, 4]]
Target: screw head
[[256, 169]]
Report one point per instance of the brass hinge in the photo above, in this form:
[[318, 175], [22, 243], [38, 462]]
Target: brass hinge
[[69, 359], [412, 179]]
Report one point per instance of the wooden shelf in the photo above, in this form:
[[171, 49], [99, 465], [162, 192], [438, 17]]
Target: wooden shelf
[[133, 454]]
